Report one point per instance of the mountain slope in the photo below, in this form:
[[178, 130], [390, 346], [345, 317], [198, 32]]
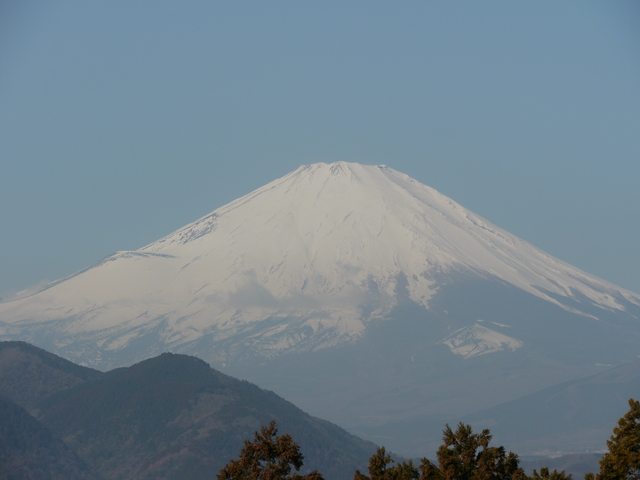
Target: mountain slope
[[576, 412], [569, 417], [29, 374], [174, 417], [28, 450]]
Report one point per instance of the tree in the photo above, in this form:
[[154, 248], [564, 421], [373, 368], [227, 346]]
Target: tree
[[268, 457], [622, 461], [379, 468], [546, 475], [465, 455]]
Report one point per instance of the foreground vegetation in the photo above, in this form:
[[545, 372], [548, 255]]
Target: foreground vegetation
[[464, 455]]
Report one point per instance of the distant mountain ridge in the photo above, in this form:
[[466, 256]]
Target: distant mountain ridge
[[579, 412], [352, 282]]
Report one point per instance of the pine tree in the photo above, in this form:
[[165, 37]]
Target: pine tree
[[268, 457], [545, 474], [622, 461], [379, 468], [465, 455]]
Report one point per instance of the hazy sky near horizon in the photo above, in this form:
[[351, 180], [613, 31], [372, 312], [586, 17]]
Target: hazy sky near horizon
[[122, 121]]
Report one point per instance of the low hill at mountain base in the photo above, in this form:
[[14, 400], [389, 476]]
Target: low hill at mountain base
[[169, 417], [29, 374]]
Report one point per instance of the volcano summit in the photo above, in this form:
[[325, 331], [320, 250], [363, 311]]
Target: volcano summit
[[355, 291]]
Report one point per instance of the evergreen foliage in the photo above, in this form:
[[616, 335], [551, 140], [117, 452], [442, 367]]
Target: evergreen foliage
[[379, 468], [545, 474], [464, 455], [622, 461], [268, 457]]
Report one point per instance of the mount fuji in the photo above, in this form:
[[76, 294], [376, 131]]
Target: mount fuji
[[356, 292]]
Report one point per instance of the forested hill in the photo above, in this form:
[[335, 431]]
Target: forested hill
[[29, 374], [29, 451], [168, 417]]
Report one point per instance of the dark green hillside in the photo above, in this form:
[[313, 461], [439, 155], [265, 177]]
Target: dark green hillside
[[28, 374], [29, 451], [174, 417]]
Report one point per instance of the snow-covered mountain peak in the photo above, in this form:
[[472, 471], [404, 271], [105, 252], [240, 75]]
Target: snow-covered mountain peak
[[325, 228], [304, 262]]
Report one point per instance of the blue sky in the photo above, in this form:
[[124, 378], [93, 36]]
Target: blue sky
[[122, 121]]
